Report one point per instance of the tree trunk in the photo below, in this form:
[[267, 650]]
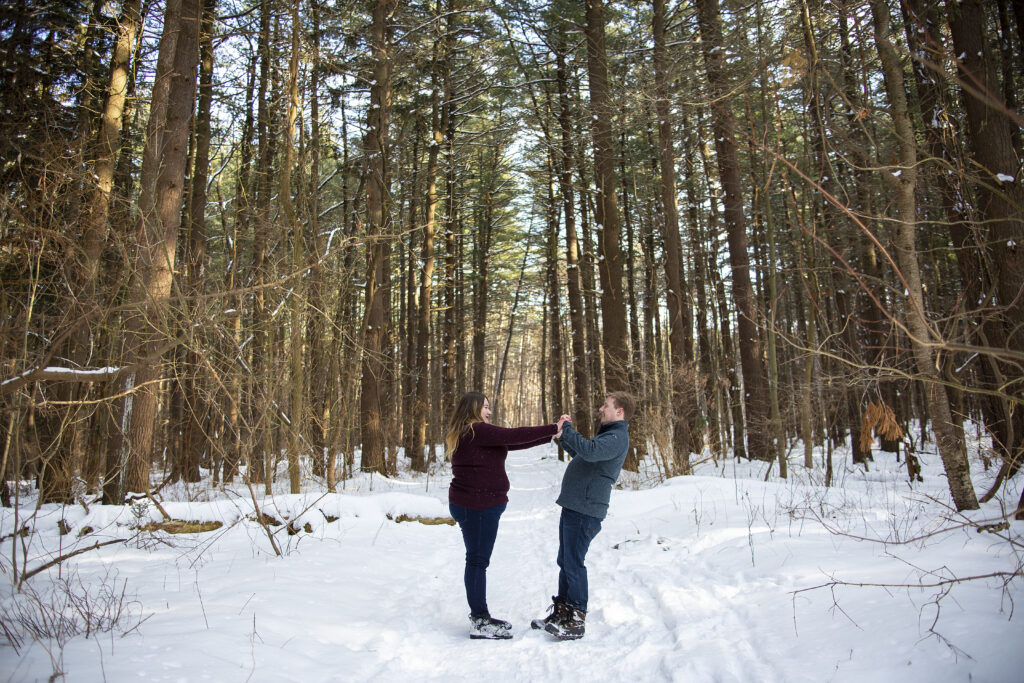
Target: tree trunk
[[1000, 231], [633, 368], [577, 324], [317, 344], [71, 423], [109, 140], [194, 440], [258, 382], [554, 347], [712, 406], [232, 399], [591, 314], [755, 381], [160, 215], [1009, 77], [613, 305], [449, 329], [680, 369], [482, 259], [375, 322], [439, 113], [296, 299], [459, 294], [408, 318], [951, 450], [499, 381]]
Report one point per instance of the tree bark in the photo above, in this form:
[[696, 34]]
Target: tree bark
[[613, 304], [196, 414], [232, 399], [374, 326], [296, 300], [258, 382], [999, 231], [71, 423], [481, 283], [317, 344], [706, 360], [449, 328], [755, 381], [554, 347], [922, 337], [160, 215], [679, 368], [503, 363], [577, 324], [439, 112]]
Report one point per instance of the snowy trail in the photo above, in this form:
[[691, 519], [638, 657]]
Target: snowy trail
[[692, 580], [671, 618]]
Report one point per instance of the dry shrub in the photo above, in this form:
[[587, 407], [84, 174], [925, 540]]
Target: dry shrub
[[431, 521], [881, 420], [66, 608], [177, 526]]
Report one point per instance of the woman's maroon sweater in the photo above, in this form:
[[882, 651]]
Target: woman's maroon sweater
[[479, 480]]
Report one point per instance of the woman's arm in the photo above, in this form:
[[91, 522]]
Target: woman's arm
[[539, 442], [511, 437]]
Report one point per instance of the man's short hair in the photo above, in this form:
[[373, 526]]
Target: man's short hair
[[625, 401]]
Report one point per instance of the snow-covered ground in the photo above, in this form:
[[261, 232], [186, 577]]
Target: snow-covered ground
[[715, 577]]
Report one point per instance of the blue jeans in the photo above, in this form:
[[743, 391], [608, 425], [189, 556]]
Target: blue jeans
[[479, 528], [575, 532]]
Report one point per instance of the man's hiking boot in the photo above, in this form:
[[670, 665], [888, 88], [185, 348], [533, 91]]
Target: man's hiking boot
[[555, 613], [489, 628], [570, 626]]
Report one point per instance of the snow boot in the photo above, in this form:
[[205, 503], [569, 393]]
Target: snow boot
[[489, 628], [555, 613], [570, 626]]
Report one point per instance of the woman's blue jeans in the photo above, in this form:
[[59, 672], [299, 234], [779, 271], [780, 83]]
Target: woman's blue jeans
[[479, 528], [575, 532]]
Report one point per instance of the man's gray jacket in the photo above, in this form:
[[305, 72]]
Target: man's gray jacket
[[588, 480]]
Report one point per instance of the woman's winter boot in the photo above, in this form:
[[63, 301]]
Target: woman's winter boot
[[489, 628]]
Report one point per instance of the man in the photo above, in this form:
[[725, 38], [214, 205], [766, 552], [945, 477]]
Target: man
[[586, 490]]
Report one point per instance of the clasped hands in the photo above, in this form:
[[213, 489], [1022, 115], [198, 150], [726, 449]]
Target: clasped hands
[[561, 421]]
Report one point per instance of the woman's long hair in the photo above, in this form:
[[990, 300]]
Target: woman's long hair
[[469, 410]]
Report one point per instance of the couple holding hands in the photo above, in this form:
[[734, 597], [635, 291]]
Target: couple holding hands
[[479, 494]]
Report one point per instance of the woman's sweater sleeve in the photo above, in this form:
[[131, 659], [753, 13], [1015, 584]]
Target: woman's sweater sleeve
[[539, 442], [512, 437]]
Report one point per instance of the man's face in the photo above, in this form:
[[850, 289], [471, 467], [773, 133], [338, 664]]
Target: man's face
[[609, 411]]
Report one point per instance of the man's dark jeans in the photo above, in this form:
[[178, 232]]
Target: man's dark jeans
[[575, 532], [479, 528]]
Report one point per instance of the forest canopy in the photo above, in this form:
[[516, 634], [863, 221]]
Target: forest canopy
[[239, 236]]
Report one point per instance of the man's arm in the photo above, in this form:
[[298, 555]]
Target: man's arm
[[604, 446]]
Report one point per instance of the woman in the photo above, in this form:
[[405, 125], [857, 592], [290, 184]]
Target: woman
[[479, 493]]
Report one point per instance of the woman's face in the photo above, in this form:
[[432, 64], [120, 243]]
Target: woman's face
[[485, 412]]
